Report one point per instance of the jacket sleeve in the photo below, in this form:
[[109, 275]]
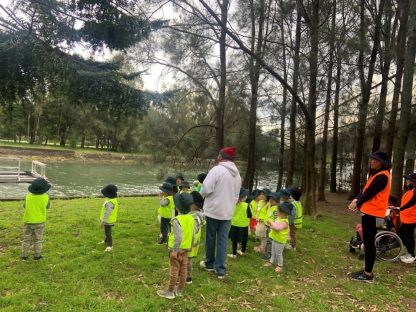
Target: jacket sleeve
[[249, 214], [208, 186], [108, 208], [378, 184], [164, 202], [177, 234], [411, 202]]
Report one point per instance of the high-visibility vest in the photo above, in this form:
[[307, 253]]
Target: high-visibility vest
[[270, 214], [408, 215], [298, 214], [35, 208], [280, 236], [377, 205], [187, 223], [253, 207], [239, 218], [168, 211], [112, 218], [262, 212]]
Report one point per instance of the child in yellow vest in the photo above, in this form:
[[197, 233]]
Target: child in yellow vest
[[166, 210], [262, 208], [180, 243], [279, 229], [108, 215], [239, 224], [274, 199], [36, 203], [254, 205], [295, 194], [196, 212]]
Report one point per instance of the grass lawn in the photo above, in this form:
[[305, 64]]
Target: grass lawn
[[76, 275]]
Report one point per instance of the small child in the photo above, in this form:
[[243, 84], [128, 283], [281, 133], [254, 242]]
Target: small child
[[166, 210], [274, 199], [278, 233], [108, 215], [239, 224], [261, 228], [196, 212], [199, 180], [180, 242], [184, 187], [285, 198], [254, 205], [36, 203], [295, 193]]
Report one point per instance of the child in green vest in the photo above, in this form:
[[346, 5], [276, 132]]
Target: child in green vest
[[274, 199], [36, 203], [254, 205], [108, 215], [295, 193], [196, 212], [239, 224], [279, 229], [184, 187], [166, 210], [261, 228], [180, 243]]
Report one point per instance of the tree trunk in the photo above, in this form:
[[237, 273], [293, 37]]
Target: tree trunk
[[403, 11], [292, 144], [366, 92], [322, 171], [406, 103]]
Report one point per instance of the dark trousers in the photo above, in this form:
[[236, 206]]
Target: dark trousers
[[407, 234], [164, 228], [369, 235], [238, 235], [108, 238]]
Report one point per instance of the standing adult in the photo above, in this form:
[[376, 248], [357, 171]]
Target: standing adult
[[408, 218], [372, 202], [220, 188]]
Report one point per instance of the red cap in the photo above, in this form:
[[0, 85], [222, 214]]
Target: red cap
[[228, 152]]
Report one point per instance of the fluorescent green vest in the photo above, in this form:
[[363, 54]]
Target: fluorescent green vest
[[262, 213], [167, 212], [280, 236], [112, 218], [239, 218], [254, 206], [187, 223], [35, 208], [298, 214], [270, 214], [198, 187]]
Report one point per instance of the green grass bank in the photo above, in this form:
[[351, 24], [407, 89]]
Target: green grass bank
[[76, 275]]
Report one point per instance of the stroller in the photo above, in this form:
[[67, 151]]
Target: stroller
[[389, 246]]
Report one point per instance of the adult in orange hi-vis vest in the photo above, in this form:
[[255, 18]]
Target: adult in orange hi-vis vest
[[372, 202], [408, 218]]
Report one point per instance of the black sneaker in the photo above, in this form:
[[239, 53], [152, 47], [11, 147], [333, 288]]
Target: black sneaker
[[189, 280], [23, 258], [362, 277], [38, 257], [162, 241]]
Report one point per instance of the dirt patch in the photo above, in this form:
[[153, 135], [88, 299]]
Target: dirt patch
[[336, 203]]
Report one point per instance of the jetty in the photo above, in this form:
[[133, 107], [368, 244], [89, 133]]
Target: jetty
[[11, 172]]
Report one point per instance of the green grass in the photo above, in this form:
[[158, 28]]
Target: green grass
[[76, 275]]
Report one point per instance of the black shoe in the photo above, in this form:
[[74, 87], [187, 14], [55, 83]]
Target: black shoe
[[38, 258], [362, 277], [23, 258], [189, 280], [161, 241]]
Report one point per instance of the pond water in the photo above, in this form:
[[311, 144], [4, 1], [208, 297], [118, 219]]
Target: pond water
[[87, 179]]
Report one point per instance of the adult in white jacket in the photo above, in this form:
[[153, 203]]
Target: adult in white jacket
[[220, 189]]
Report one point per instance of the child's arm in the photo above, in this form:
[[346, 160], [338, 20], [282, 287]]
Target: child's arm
[[177, 234], [108, 208], [277, 226], [164, 202], [249, 214]]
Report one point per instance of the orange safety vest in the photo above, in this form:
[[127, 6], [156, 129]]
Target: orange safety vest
[[408, 215], [377, 205]]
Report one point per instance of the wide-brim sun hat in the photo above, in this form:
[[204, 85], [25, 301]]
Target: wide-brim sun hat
[[201, 177], [295, 192], [170, 180], [167, 188], [39, 186], [381, 157], [183, 202], [275, 196], [411, 177], [198, 199], [285, 207], [284, 193], [109, 191], [243, 193]]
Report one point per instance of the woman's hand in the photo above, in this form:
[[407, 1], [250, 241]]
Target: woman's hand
[[353, 205]]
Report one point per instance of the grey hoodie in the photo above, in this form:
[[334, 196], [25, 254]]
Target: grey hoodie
[[220, 189]]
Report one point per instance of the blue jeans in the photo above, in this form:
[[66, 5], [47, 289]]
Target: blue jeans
[[217, 232]]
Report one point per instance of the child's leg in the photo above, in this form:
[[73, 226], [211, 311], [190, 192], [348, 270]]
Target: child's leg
[[27, 238], [38, 231], [189, 268], [164, 228], [279, 253], [292, 233], [234, 244], [244, 239], [108, 237], [173, 272], [183, 260]]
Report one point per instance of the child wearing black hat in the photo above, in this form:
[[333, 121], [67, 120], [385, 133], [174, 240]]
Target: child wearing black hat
[[180, 242], [166, 210], [108, 215], [261, 215], [36, 203]]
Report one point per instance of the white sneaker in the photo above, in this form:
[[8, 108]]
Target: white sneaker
[[240, 252], [409, 260], [405, 256], [232, 256], [108, 249]]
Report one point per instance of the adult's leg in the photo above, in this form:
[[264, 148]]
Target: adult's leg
[[211, 233], [27, 238], [108, 237], [38, 230], [369, 234], [222, 234]]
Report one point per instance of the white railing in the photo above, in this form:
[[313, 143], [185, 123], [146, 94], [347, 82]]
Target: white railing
[[38, 165], [6, 170]]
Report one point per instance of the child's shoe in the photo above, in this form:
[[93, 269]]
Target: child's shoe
[[240, 253], [189, 280], [232, 256], [162, 241], [178, 293], [166, 294], [38, 257], [108, 249], [278, 269]]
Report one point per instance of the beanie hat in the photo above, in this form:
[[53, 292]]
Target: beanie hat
[[183, 202], [228, 153]]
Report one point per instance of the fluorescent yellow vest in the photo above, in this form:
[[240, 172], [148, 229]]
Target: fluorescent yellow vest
[[239, 218], [254, 206], [280, 236], [112, 218], [168, 211], [298, 214], [270, 214], [262, 213], [35, 208], [187, 223]]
